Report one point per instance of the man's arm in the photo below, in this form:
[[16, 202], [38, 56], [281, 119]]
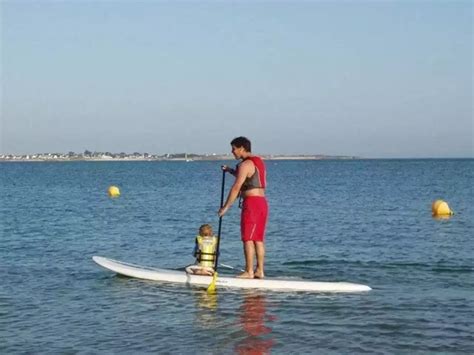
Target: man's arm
[[243, 172]]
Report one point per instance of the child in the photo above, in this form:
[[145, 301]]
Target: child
[[204, 251]]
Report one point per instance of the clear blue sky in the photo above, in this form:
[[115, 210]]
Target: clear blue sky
[[368, 78]]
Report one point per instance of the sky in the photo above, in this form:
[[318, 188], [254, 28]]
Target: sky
[[375, 79]]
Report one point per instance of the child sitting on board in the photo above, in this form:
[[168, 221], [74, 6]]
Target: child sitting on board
[[204, 251]]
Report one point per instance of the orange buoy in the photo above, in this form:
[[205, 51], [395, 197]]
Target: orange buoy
[[114, 191], [441, 208]]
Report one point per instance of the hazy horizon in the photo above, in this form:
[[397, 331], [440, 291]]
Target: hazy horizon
[[221, 154], [369, 79]]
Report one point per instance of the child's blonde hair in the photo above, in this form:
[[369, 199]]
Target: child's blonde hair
[[205, 230]]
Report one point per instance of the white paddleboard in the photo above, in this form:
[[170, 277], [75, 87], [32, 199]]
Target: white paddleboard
[[174, 276]]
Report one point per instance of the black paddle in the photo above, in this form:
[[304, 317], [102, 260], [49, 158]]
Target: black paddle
[[212, 286]]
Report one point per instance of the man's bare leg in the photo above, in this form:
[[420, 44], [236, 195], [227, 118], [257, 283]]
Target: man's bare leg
[[260, 250], [249, 252]]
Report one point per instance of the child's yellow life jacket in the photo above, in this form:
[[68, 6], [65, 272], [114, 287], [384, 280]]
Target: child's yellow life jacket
[[206, 250]]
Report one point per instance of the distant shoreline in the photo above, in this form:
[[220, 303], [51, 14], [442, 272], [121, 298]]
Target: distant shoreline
[[174, 159], [186, 157], [197, 158]]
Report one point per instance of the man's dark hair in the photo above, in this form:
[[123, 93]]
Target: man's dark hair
[[242, 142]]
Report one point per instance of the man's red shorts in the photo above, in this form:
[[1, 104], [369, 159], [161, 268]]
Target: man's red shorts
[[254, 218]]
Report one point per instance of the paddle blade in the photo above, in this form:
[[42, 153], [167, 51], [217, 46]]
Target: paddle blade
[[212, 286]]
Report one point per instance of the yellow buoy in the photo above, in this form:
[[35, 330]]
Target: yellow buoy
[[114, 191], [441, 208]]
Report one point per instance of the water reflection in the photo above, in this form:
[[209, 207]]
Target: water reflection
[[254, 319], [442, 217], [206, 308]]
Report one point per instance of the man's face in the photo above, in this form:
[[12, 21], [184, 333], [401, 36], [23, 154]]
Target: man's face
[[237, 151]]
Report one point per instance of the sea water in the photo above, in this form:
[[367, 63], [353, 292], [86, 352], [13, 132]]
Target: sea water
[[362, 221]]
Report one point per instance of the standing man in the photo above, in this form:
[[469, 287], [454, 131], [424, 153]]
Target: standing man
[[250, 183]]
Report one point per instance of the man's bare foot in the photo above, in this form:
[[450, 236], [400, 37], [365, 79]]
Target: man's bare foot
[[259, 274], [246, 275]]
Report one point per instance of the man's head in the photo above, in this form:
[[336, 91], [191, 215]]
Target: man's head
[[241, 146], [205, 230], [242, 142]]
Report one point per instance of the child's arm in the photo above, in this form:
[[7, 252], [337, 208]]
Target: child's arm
[[195, 251]]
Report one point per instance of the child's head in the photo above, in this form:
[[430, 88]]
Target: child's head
[[205, 230]]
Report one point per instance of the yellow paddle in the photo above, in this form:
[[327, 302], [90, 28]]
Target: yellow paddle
[[212, 287]]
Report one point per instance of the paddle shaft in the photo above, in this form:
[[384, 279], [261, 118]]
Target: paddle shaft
[[220, 222]]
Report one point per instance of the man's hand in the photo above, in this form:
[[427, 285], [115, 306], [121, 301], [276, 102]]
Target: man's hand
[[228, 169], [222, 211]]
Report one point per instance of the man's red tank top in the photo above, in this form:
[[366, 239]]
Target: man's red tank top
[[259, 178]]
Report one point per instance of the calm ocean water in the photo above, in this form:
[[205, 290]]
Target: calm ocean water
[[365, 221]]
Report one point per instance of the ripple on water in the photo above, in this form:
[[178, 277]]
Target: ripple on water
[[360, 221]]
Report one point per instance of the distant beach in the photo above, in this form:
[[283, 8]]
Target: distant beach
[[107, 156]]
